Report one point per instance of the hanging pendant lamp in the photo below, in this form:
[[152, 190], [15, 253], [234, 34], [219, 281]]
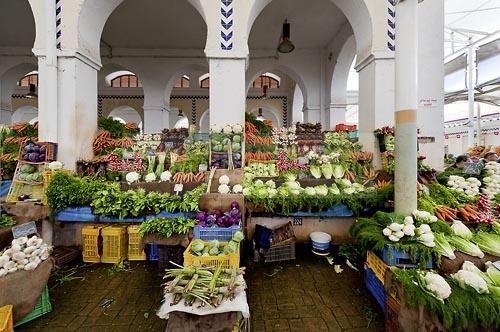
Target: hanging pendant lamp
[[260, 117], [286, 46]]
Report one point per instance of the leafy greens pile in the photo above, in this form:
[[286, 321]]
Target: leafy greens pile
[[107, 199]]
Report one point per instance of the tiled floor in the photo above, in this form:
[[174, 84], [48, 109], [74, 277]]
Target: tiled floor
[[301, 295]]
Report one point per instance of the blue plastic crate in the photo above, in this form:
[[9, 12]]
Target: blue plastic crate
[[215, 233], [375, 287], [165, 214], [152, 252], [394, 257], [124, 220], [4, 187], [338, 210], [79, 214]]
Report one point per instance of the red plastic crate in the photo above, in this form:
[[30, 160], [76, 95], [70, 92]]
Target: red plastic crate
[[344, 127]]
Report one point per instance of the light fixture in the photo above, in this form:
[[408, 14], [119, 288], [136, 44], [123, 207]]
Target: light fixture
[[32, 93], [260, 117], [180, 114], [264, 92], [286, 46]]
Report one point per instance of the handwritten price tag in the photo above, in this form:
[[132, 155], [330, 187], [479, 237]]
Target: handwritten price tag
[[178, 188]]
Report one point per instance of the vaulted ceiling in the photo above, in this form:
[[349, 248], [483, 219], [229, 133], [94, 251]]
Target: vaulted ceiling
[[314, 23], [17, 26], [172, 24]]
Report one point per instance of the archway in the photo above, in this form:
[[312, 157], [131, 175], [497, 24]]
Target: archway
[[127, 114], [269, 114], [205, 122], [25, 114]]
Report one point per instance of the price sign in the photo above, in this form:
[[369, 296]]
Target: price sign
[[202, 168], [24, 230], [178, 188], [297, 221], [473, 168]]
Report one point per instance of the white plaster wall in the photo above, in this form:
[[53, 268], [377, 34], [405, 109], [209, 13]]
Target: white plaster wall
[[24, 114]]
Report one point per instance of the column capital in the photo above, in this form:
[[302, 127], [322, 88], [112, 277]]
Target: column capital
[[376, 55], [94, 63]]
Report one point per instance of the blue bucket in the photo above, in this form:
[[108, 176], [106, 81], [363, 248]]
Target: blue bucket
[[320, 242]]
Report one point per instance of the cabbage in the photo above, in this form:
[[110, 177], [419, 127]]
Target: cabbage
[[465, 246], [321, 190], [310, 191], [290, 177], [214, 251], [338, 171], [494, 275], [443, 247], [238, 236], [327, 170], [292, 185], [461, 230], [315, 171], [334, 189], [197, 245], [489, 243], [344, 183], [471, 279]]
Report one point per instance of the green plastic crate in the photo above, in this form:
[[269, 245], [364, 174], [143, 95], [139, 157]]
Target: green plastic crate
[[41, 308]]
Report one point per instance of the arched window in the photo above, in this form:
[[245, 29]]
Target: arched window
[[182, 82], [266, 79], [205, 83], [30, 78], [126, 81]]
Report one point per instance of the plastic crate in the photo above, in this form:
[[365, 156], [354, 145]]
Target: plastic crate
[[20, 188], [165, 214], [353, 134], [344, 127], [392, 307], [375, 287], [394, 257], [226, 261], [91, 243], [376, 265], [6, 324], [215, 233], [277, 253], [41, 308], [167, 254], [79, 214], [114, 244], [118, 220], [152, 250], [134, 244]]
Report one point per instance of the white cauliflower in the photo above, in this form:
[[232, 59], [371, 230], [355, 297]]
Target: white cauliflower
[[165, 176], [132, 177], [150, 177], [437, 285], [471, 279], [237, 189], [55, 165], [227, 129], [224, 189], [237, 129], [224, 179]]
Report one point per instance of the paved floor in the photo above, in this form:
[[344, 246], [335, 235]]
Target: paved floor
[[301, 295]]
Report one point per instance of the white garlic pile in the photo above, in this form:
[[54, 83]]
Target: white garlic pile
[[24, 254]]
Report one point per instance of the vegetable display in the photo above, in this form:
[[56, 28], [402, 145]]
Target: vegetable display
[[492, 179], [218, 218], [166, 227], [216, 248], [29, 173], [34, 152], [203, 286], [24, 254], [6, 221]]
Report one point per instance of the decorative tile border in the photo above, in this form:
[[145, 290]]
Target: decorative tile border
[[58, 23], [193, 111], [226, 32], [391, 25]]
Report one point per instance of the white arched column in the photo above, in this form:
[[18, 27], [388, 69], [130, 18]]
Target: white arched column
[[338, 93]]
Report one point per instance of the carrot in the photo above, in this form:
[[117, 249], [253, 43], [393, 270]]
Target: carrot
[[438, 215]]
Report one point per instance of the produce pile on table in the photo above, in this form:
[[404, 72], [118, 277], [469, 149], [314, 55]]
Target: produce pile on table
[[30, 173], [108, 199], [218, 218], [203, 286], [23, 254], [216, 248], [11, 139], [226, 146], [166, 227]]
